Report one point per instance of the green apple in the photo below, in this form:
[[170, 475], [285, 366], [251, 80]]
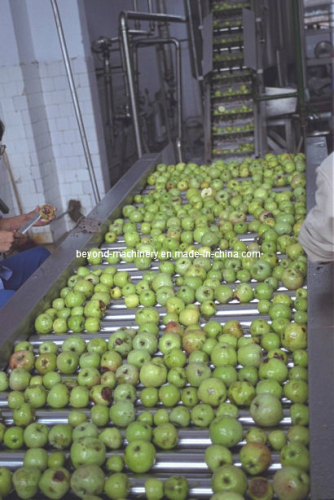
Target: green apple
[[255, 458], [298, 434], [111, 437], [58, 396], [230, 479], [277, 439], [122, 413], [266, 410], [202, 415], [290, 483], [295, 454], [212, 391], [117, 486], [176, 488], [87, 480], [55, 482], [88, 451], [165, 436], [139, 456], [6, 482], [154, 489], [152, 375], [43, 323], [226, 431], [25, 480], [216, 456]]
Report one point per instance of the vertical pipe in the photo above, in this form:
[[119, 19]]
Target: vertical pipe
[[77, 110], [299, 57], [280, 45], [129, 71], [192, 49], [166, 50], [126, 87], [135, 8], [179, 98], [150, 9], [159, 53], [299, 52], [109, 96], [200, 12]]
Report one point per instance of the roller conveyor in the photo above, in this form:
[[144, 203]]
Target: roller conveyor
[[193, 441], [232, 115]]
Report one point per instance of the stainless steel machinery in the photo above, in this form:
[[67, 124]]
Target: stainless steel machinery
[[17, 319], [229, 115]]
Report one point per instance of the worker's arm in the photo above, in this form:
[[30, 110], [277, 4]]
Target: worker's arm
[[317, 232], [14, 223], [7, 239]]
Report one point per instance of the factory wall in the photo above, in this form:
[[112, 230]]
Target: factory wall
[[43, 143], [103, 20]]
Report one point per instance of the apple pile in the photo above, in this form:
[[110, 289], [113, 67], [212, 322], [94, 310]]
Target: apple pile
[[218, 24], [228, 40], [233, 129], [180, 364], [223, 58], [224, 6], [243, 75], [247, 147], [241, 90], [222, 110]]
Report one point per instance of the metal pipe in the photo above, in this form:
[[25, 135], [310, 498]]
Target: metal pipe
[[159, 53], [130, 79], [135, 8], [123, 18], [109, 98], [149, 16], [75, 101], [139, 32], [150, 9], [126, 86], [273, 97], [192, 39], [299, 52], [163, 29], [192, 48], [200, 12], [176, 43]]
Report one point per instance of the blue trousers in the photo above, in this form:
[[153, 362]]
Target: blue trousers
[[23, 265]]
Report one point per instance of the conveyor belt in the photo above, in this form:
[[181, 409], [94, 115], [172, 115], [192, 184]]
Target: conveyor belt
[[228, 140], [188, 457]]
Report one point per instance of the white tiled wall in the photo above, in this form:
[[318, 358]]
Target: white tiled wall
[[43, 141]]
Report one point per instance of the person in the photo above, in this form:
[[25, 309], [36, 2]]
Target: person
[[15, 270], [317, 232]]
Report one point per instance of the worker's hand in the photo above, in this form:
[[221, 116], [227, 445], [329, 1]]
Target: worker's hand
[[8, 240], [40, 222]]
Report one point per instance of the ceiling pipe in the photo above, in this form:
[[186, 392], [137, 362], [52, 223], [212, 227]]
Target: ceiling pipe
[[75, 101]]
